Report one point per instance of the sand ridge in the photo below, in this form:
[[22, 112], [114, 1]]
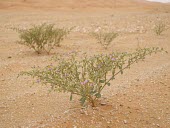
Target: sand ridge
[[74, 4]]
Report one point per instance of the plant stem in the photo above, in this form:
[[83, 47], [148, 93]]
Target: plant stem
[[118, 73]]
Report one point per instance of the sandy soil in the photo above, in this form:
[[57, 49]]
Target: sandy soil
[[138, 99]]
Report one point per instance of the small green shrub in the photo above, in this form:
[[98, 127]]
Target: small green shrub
[[159, 28], [42, 37], [105, 38], [89, 76]]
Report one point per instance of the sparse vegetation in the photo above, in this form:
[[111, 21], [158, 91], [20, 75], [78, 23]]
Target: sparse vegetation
[[160, 28], [104, 38], [42, 37], [137, 99], [88, 77]]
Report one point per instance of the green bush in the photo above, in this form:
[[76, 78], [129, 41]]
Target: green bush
[[42, 37], [104, 38], [160, 28], [89, 76]]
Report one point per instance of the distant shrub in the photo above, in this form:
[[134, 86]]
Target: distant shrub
[[89, 76], [104, 38], [42, 37], [160, 28]]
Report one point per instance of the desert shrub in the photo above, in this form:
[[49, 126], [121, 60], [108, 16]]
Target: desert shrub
[[160, 28], [104, 38], [42, 37], [89, 76]]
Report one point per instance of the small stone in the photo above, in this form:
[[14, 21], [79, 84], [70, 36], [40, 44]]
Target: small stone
[[125, 121], [95, 108], [108, 122], [81, 112], [157, 125], [103, 103]]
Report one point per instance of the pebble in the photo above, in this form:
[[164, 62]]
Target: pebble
[[103, 103], [82, 112], [108, 122], [125, 121], [74, 126]]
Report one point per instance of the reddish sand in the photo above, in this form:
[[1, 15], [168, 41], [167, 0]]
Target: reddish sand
[[138, 99]]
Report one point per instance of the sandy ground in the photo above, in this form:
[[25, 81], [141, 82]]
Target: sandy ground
[[138, 99]]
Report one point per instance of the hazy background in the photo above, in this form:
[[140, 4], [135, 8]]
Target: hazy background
[[162, 1]]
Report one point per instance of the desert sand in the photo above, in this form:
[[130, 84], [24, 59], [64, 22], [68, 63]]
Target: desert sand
[[140, 98]]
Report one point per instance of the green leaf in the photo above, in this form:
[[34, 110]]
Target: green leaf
[[71, 97], [82, 100], [108, 84], [98, 95], [102, 81]]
